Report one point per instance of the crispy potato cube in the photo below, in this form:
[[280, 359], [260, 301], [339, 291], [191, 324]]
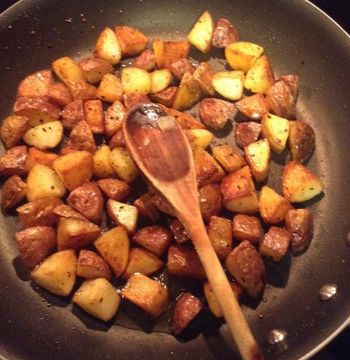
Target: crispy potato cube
[[199, 137], [66, 211], [133, 99], [114, 118], [98, 298], [74, 169], [228, 158], [94, 116], [168, 52], [108, 47], [188, 93], [123, 165], [12, 129], [229, 84], [36, 84], [246, 265], [160, 80], [299, 183], [57, 273], [224, 34], [117, 140], [253, 106], [72, 114], [142, 261], [132, 41], [147, 294], [242, 55], [68, 70], [113, 246], [43, 182], [135, 80], [260, 76], [59, 94], [14, 190], [275, 243], [94, 69], [301, 140], [220, 235], [276, 130], [273, 207], [215, 113], [123, 214], [210, 201], [162, 204], [146, 60], [246, 227], [186, 121], [186, 309], [299, 222], [114, 189], [165, 97], [258, 155], [81, 90], [146, 208], [184, 262], [91, 266], [204, 76], [179, 232], [36, 156], [238, 192], [247, 133], [155, 239], [110, 88], [81, 138], [13, 162], [102, 165], [180, 67], [202, 32]]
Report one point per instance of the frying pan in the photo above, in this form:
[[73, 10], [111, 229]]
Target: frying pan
[[299, 39]]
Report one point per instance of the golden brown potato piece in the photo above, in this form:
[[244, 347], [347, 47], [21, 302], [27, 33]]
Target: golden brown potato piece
[[160, 80], [203, 75], [168, 52], [72, 114], [114, 118], [299, 222], [165, 97], [108, 47], [35, 244], [13, 192], [199, 137], [81, 90], [224, 34], [230, 159], [247, 133], [36, 84], [229, 84], [66, 211], [136, 80], [88, 200], [179, 232], [12, 129], [75, 233], [186, 309], [215, 113], [186, 121], [210, 201], [123, 164], [246, 227], [202, 32], [13, 162], [114, 188], [154, 238], [81, 138], [301, 140], [246, 265], [59, 94], [162, 204], [220, 235], [275, 243], [273, 207], [184, 262], [180, 67], [253, 106], [67, 70], [132, 41], [188, 93], [146, 293], [146, 208], [102, 164], [258, 156], [110, 88], [132, 99], [146, 60], [94, 69], [36, 156], [94, 116], [91, 266], [39, 212], [117, 140], [276, 130]]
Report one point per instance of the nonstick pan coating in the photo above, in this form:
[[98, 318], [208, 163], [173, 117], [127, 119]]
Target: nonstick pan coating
[[299, 39]]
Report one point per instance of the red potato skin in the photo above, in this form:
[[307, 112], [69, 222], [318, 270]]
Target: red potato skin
[[72, 114], [28, 104], [81, 138], [114, 118], [254, 107], [146, 60], [114, 188], [275, 243], [179, 232], [165, 97], [66, 211], [59, 94], [210, 201], [91, 266], [133, 99], [214, 113], [35, 84], [13, 192], [246, 227], [12, 129], [224, 34], [13, 162], [117, 140], [180, 67], [246, 133]]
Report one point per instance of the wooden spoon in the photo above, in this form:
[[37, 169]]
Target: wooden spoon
[[162, 152]]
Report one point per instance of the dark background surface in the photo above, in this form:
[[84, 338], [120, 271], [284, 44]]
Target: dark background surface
[[339, 10]]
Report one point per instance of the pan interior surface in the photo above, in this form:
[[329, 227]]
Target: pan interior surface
[[300, 40]]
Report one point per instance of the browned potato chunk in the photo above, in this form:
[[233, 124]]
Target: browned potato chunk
[[146, 60], [246, 265], [188, 93], [94, 116], [215, 113], [276, 130], [179, 232], [146, 208], [202, 32], [12, 129], [81, 90], [184, 262], [220, 235], [168, 52], [132, 41], [246, 227], [275, 243], [117, 140], [301, 140], [132, 99], [13, 192], [123, 214], [81, 138], [94, 68], [39, 212], [36, 84], [36, 156], [35, 244], [162, 204], [165, 97], [299, 222], [102, 164], [186, 121], [273, 207], [114, 118], [142, 261], [91, 266], [204, 76], [114, 188], [154, 238], [228, 158], [66, 211], [258, 156], [72, 114], [87, 199], [224, 34], [110, 88], [254, 106], [108, 47], [186, 309], [247, 133], [180, 67], [59, 94], [210, 201], [13, 162], [147, 294]]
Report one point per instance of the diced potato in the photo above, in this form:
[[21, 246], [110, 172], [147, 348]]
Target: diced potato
[[81, 90], [179, 232], [202, 32], [142, 261], [68, 70], [13, 191], [13, 162], [165, 97], [228, 158], [74, 169], [162, 204], [12, 129], [94, 69], [110, 88], [36, 156], [299, 183], [135, 80], [254, 106], [276, 130], [220, 235], [132, 99], [43, 182], [146, 208], [224, 34], [199, 137], [108, 47], [91, 266], [94, 116], [45, 136], [123, 214], [260, 76], [242, 55], [102, 165], [132, 41], [65, 211], [114, 189], [113, 246], [210, 201], [114, 118], [180, 67], [275, 243], [204, 76], [72, 114], [301, 140], [246, 227], [123, 164], [258, 157], [81, 138], [146, 60], [273, 207], [57, 273], [117, 140], [188, 93], [59, 94], [229, 84], [36, 84], [186, 121], [247, 133], [160, 80], [215, 113], [168, 52], [98, 298]]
